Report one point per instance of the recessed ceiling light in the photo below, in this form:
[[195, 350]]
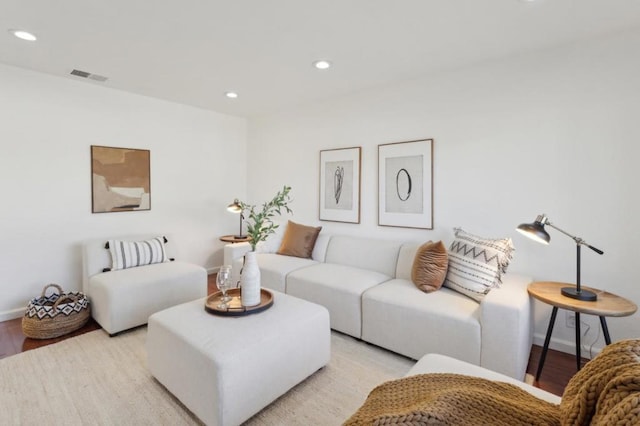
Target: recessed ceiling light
[[322, 64], [231, 95], [24, 35]]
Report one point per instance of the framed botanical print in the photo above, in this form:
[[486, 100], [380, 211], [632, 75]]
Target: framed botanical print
[[120, 179], [405, 184], [340, 184]]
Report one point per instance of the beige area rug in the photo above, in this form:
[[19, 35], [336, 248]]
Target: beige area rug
[[94, 379]]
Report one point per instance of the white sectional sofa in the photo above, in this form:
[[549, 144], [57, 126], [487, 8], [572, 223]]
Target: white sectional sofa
[[366, 286]]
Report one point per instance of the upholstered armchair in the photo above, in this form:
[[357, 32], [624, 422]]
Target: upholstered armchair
[[124, 297]]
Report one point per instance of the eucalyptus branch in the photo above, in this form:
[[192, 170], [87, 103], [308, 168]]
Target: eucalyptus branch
[[259, 222]]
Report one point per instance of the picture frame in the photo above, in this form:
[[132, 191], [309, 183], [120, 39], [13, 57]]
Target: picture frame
[[120, 179], [340, 185], [405, 184]]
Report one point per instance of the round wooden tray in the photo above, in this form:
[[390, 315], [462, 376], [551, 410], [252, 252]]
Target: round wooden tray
[[235, 308]]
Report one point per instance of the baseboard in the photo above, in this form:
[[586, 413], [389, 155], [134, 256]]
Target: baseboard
[[565, 346], [13, 314]]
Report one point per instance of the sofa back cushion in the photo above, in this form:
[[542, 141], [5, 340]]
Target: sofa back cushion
[[405, 260], [365, 253], [319, 252], [273, 241]]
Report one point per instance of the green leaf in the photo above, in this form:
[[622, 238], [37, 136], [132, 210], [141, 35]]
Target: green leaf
[[259, 223]]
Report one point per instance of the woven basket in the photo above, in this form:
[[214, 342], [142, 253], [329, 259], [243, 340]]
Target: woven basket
[[52, 316]]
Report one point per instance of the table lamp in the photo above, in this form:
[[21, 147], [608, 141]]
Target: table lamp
[[536, 232], [235, 207]]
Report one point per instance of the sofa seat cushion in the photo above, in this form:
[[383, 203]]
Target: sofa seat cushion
[[339, 288], [274, 269], [398, 316], [125, 298]]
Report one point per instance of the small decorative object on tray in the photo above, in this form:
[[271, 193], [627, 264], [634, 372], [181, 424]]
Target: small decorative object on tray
[[223, 282], [234, 306], [259, 226], [52, 316]]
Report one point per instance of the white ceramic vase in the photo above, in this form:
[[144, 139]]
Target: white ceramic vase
[[250, 280]]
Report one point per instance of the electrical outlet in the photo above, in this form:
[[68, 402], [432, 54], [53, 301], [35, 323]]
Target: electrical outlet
[[570, 319]]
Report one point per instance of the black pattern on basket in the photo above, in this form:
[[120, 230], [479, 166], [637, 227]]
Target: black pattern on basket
[[56, 314], [44, 306]]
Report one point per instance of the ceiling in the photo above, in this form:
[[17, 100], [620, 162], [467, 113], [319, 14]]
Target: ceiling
[[193, 51]]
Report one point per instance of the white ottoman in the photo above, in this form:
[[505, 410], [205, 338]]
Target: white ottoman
[[226, 369]]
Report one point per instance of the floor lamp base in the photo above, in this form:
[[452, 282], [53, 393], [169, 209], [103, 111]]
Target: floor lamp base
[[573, 293]]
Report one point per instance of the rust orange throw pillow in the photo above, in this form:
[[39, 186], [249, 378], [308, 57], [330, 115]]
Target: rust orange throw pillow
[[299, 240], [430, 266]]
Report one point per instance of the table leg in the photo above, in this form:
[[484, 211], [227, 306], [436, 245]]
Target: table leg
[[578, 351], [605, 330], [552, 321]]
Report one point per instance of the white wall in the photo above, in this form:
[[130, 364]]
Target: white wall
[[48, 125], [551, 132]]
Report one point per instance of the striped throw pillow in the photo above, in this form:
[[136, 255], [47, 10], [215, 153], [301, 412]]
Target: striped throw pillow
[[129, 254], [476, 264]]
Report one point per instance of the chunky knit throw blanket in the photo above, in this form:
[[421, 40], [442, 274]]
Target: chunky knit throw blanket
[[605, 392], [452, 399]]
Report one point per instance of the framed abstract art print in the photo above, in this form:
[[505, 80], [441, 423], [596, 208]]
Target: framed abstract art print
[[340, 185], [120, 179], [405, 184]]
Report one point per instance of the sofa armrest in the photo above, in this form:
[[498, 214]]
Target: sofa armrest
[[506, 323], [233, 254], [235, 251]]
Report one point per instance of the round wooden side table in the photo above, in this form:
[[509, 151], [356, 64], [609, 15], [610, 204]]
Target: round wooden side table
[[234, 239], [607, 305]]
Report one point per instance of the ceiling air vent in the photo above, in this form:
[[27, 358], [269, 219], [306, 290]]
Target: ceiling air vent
[[85, 74]]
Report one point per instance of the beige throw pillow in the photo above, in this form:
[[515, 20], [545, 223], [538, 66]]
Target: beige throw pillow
[[476, 264], [299, 240], [430, 266]]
